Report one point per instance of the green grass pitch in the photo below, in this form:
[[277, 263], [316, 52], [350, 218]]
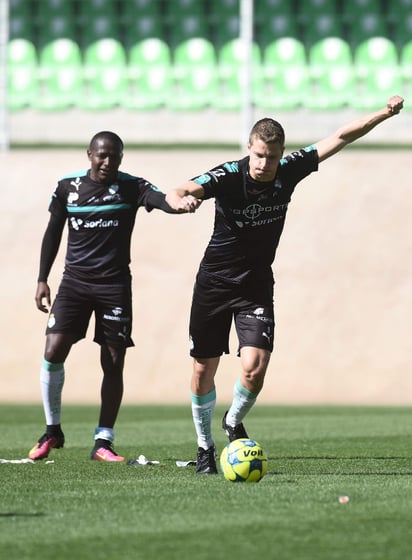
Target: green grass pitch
[[75, 508]]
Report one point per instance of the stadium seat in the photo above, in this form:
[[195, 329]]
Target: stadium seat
[[406, 61], [193, 53], [402, 30], [59, 75], [147, 53], [59, 54], [321, 26], [229, 96], [98, 19], [20, 20], [353, 9], [105, 74], [141, 19], [287, 90], [376, 87], [276, 25], [328, 54], [21, 73], [195, 90], [101, 54], [186, 27], [232, 54], [286, 52], [331, 74], [148, 92], [226, 29], [374, 53], [366, 26], [308, 10], [331, 90]]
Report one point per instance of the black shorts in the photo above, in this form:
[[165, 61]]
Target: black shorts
[[215, 303], [111, 304]]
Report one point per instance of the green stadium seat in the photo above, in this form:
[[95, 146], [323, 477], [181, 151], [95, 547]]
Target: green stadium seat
[[308, 10], [374, 53], [331, 74], [195, 90], [101, 54], [147, 53], [230, 59], [406, 61], [329, 53], [98, 19], [59, 75], [224, 24], [186, 27], [222, 9], [366, 26], [402, 30], [232, 54], [194, 84], [287, 90], [321, 26], [141, 19], [150, 91], [192, 53], [376, 87], [353, 9], [276, 25], [229, 93], [20, 20], [21, 74], [331, 90], [105, 74], [59, 54], [286, 52]]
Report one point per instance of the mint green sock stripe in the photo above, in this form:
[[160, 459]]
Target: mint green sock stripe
[[48, 366], [243, 391], [204, 399]]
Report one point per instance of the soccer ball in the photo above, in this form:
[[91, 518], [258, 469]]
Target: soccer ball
[[243, 460]]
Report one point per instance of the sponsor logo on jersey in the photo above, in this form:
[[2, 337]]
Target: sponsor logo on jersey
[[254, 211], [78, 223]]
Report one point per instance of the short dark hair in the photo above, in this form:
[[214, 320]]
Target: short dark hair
[[269, 131], [107, 135]]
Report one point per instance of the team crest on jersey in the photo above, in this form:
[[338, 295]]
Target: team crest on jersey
[[72, 197]]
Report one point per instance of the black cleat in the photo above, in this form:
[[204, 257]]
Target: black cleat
[[236, 432], [206, 461]]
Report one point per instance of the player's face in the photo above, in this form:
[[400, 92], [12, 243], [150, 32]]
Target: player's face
[[264, 159], [105, 158]]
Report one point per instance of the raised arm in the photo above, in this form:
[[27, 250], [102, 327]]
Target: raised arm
[[357, 128], [176, 197]]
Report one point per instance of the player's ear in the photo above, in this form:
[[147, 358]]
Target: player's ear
[[89, 155]]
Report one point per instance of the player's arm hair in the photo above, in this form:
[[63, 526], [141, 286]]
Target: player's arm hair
[[50, 246], [357, 128]]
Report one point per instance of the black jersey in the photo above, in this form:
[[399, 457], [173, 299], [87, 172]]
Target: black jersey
[[100, 222], [250, 215]]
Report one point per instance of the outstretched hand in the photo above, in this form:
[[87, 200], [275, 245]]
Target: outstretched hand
[[42, 292], [395, 104], [181, 204]]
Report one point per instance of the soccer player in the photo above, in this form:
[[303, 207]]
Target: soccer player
[[235, 279], [99, 206]]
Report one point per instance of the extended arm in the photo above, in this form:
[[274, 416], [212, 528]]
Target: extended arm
[[49, 248], [176, 197], [357, 128]]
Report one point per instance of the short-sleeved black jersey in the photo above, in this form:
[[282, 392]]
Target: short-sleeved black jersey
[[250, 215], [100, 222]]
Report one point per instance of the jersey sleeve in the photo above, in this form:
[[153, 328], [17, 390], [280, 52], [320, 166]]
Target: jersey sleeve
[[211, 180], [301, 163], [151, 197]]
